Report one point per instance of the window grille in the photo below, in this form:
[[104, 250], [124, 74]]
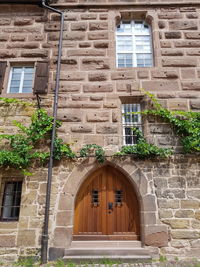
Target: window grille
[[95, 197], [21, 80], [129, 121], [11, 201], [134, 44]]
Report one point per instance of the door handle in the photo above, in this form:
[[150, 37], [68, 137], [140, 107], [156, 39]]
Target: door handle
[[110, 205]]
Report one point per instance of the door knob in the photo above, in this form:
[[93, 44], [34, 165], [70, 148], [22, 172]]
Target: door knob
[[110, 205]]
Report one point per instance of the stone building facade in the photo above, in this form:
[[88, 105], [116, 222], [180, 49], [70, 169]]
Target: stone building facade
[[92, 91]]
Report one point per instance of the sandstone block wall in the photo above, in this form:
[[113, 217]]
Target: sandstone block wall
[[91, 92]]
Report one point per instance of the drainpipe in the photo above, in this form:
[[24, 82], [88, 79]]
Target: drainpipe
[[45, 236]]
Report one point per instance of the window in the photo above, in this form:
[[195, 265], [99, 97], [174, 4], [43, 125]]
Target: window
[[129, 121], [11, 199], [21, 80], [133, 44]]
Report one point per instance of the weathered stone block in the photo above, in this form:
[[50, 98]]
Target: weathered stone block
[[61, 236], [107, 129], [81, 104], [178, 224], [185, 234], [7, 54], [101, 44], [95, 64], [188, 73], [95, 26], [160, 129], [172, 35], [75, 116], [7, 241], [192, 35], [18, 38], [160, 182], [156, 236], [170, 15], [160, 85], [182, 62], [26, 238], [190, 204], [35, 53], [94, 139], [65, 202], [186, 43], [195, 104], [23, 21], [183, 25], [165, 214], [172, 52], [99, 76], [168, 204], [89, 16], [191, 85], [143, 74], [79, 26], [81, 129], [98, 35], [123, 75], [184, 214], [98, 88], [177, 182], [73, 76], [85, 52], [5, 21], [100, 116], [164, 74], [161, 24], [149, 203], [64, 218]]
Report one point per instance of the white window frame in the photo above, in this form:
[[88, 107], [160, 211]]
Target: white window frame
[[133, 107], [133, 33], [21, 79]]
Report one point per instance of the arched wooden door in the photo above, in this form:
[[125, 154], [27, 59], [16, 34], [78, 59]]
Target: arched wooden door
[[106, 208]]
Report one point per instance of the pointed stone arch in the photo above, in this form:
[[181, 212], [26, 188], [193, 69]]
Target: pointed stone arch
[[152, 232]]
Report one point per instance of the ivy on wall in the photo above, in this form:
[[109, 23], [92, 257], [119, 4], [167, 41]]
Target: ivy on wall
[[31, 144]]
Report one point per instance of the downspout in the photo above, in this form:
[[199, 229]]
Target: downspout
[[45, 236]]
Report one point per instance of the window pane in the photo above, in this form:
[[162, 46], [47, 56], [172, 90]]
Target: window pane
[[133, 38], [125, 60], [144, 60], [141, 27], [124, 43], [125, 26], [28, 70], [21, 80], [16, 70], [130, 121], [143, 43], [11, 200]]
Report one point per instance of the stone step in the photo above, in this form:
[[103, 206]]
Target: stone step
[[97, 259], [106, 252], [105, 244]]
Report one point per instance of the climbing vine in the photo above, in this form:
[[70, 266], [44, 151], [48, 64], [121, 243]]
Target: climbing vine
[[186, 124], [98, 151], [143, 149], [31, 144]]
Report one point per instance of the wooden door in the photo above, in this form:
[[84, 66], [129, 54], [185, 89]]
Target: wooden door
[[106, 208]]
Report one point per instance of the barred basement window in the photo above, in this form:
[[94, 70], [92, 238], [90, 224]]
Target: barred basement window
[[21, 80], [134, 44], [129, 121], [11, 200]]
